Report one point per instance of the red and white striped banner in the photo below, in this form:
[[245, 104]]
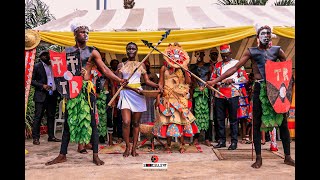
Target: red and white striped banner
[[29, 56]]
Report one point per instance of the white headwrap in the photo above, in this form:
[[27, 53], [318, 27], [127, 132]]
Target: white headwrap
[[76, 23]]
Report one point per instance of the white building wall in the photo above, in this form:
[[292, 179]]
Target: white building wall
[[117, 4]]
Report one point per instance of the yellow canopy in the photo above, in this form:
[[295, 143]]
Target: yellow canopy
[[191, 40]]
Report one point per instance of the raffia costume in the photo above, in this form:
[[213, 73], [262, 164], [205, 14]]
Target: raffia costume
[[174, 116]]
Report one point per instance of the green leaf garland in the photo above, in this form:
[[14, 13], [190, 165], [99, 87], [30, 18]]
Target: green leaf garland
[[79, 117], [269, 117], [102, 111], [201, 108]]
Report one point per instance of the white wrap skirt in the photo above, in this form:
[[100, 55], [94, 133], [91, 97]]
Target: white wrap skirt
[[132, 100]]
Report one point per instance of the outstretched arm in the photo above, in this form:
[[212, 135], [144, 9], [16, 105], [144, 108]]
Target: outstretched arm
[[103, 68], [232, 70]]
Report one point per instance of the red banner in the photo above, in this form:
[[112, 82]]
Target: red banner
[[58, 63], [75, 85], [66, 69], [29, 56], [279, 84]]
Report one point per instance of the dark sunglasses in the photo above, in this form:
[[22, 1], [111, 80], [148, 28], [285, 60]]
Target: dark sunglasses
[[214, 54]]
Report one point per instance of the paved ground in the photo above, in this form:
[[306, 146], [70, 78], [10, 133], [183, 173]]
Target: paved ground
[[205, 165]]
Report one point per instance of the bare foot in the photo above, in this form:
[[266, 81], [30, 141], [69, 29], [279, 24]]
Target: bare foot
[[126, 152], [60, 159], [258, 162], [97, 160], [134, 153], [88, 146], [182, 149], [289, 161]]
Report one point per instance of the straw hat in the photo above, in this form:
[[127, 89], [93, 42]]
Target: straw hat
[[31, 38], [176, 53]]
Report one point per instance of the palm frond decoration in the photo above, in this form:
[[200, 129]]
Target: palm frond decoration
[[285, 3], [36, 14], [242, 2]]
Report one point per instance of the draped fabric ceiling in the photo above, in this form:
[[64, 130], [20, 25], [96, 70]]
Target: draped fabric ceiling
[[194, 27]]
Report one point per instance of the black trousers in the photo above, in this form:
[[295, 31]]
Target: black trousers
[[222, 105], [215, 125], [208, 134], [49, 107], [257, 114], [94, 136]]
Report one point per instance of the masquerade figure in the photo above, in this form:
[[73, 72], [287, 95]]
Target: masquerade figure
[[230, 88], [89, 57], [131, 102], [200, 95], [173, 106], [258, 56]]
